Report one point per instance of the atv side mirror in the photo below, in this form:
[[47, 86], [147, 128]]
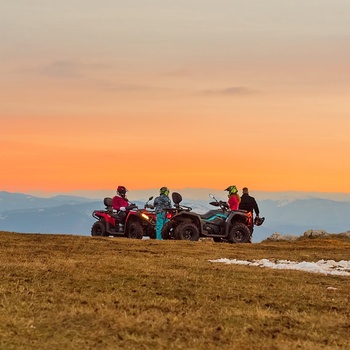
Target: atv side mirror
[[150, 198], [213, 197], [177, 198]]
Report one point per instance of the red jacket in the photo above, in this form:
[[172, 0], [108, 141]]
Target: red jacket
[[118, 202], [233, 202]]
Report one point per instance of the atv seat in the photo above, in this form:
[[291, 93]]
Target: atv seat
[[108, 203], [208, 215]]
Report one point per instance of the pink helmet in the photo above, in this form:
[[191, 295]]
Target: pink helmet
[[122, 190]]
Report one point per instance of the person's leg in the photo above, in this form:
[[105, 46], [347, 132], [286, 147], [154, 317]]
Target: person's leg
[[251, 234], [122, 217], [159, 225]]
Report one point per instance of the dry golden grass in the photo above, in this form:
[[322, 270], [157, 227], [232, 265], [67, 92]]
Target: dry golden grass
[[74, 292]]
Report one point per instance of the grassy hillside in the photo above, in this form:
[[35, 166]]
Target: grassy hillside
[[75, 292]]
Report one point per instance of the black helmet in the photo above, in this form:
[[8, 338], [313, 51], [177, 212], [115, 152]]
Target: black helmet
[[231, 190], [258, 221], [122, 190], [164, 190]]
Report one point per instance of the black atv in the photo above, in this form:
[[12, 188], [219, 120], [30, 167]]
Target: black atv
[[220, 224]]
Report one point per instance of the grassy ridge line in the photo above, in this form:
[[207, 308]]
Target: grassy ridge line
[[75, 292]]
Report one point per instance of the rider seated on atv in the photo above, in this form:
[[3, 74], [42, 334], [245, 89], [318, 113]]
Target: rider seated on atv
[[121, 204]]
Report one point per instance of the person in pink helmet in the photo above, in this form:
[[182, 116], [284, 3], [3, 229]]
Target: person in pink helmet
[[121, 204]]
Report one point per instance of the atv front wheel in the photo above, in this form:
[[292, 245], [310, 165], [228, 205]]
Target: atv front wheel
[[135, 230], [166, 230], [239, 233], [187, 231], [98, 229]]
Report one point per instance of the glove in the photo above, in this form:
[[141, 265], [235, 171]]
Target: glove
[[122, 209], [131, 206]]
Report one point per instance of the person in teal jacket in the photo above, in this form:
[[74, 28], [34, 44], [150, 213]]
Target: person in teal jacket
[[160, 203]]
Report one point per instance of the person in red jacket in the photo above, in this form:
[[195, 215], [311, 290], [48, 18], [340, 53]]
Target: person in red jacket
[[121, 204], [234, 198]]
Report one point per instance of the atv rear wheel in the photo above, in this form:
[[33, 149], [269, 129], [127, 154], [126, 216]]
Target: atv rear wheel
[[98, 229], [135, 230], [187, 231], [239, 233]]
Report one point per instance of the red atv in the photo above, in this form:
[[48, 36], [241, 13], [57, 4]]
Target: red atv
[[138, 223]]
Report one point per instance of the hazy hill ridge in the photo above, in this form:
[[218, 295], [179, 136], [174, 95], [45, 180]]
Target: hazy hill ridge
[[285, 213]]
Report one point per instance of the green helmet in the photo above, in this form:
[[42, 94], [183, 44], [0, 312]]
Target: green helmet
[[231, 190], [164, 190]]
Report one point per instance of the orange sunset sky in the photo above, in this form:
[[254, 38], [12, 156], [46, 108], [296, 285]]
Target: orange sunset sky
[[186, 93]]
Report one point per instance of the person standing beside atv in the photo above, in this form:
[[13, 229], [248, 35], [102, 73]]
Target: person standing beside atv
[[249, 204], [234, 198], [160, 203], [121, 204]]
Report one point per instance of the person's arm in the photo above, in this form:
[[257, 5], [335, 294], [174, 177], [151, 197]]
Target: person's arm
[[156, 203], [115, 204], [256, 208], [119, 203], [230, 202]]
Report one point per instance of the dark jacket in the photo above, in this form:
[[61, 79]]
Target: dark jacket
[[248, 203], [161, 202]]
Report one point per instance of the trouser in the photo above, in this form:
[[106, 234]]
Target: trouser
[[160, 221], [120, 217], [251, 234]]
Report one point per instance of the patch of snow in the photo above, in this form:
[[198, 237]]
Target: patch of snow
[[326, 267]]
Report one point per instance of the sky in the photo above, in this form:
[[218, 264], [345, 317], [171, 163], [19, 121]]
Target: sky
[[184, 94]]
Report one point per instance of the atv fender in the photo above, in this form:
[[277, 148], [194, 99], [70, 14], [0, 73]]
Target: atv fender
[[235, 216]]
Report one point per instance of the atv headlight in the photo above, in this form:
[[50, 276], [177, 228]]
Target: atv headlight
[[145, 216]]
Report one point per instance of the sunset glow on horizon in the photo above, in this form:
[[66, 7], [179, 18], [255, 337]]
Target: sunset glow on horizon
[[97, 94]]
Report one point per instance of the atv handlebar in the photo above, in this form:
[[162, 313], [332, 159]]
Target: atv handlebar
[[223, 205], [185, 207], [178, 208]]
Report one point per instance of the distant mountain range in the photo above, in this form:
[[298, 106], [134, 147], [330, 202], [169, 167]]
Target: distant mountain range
[[68, 214]]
